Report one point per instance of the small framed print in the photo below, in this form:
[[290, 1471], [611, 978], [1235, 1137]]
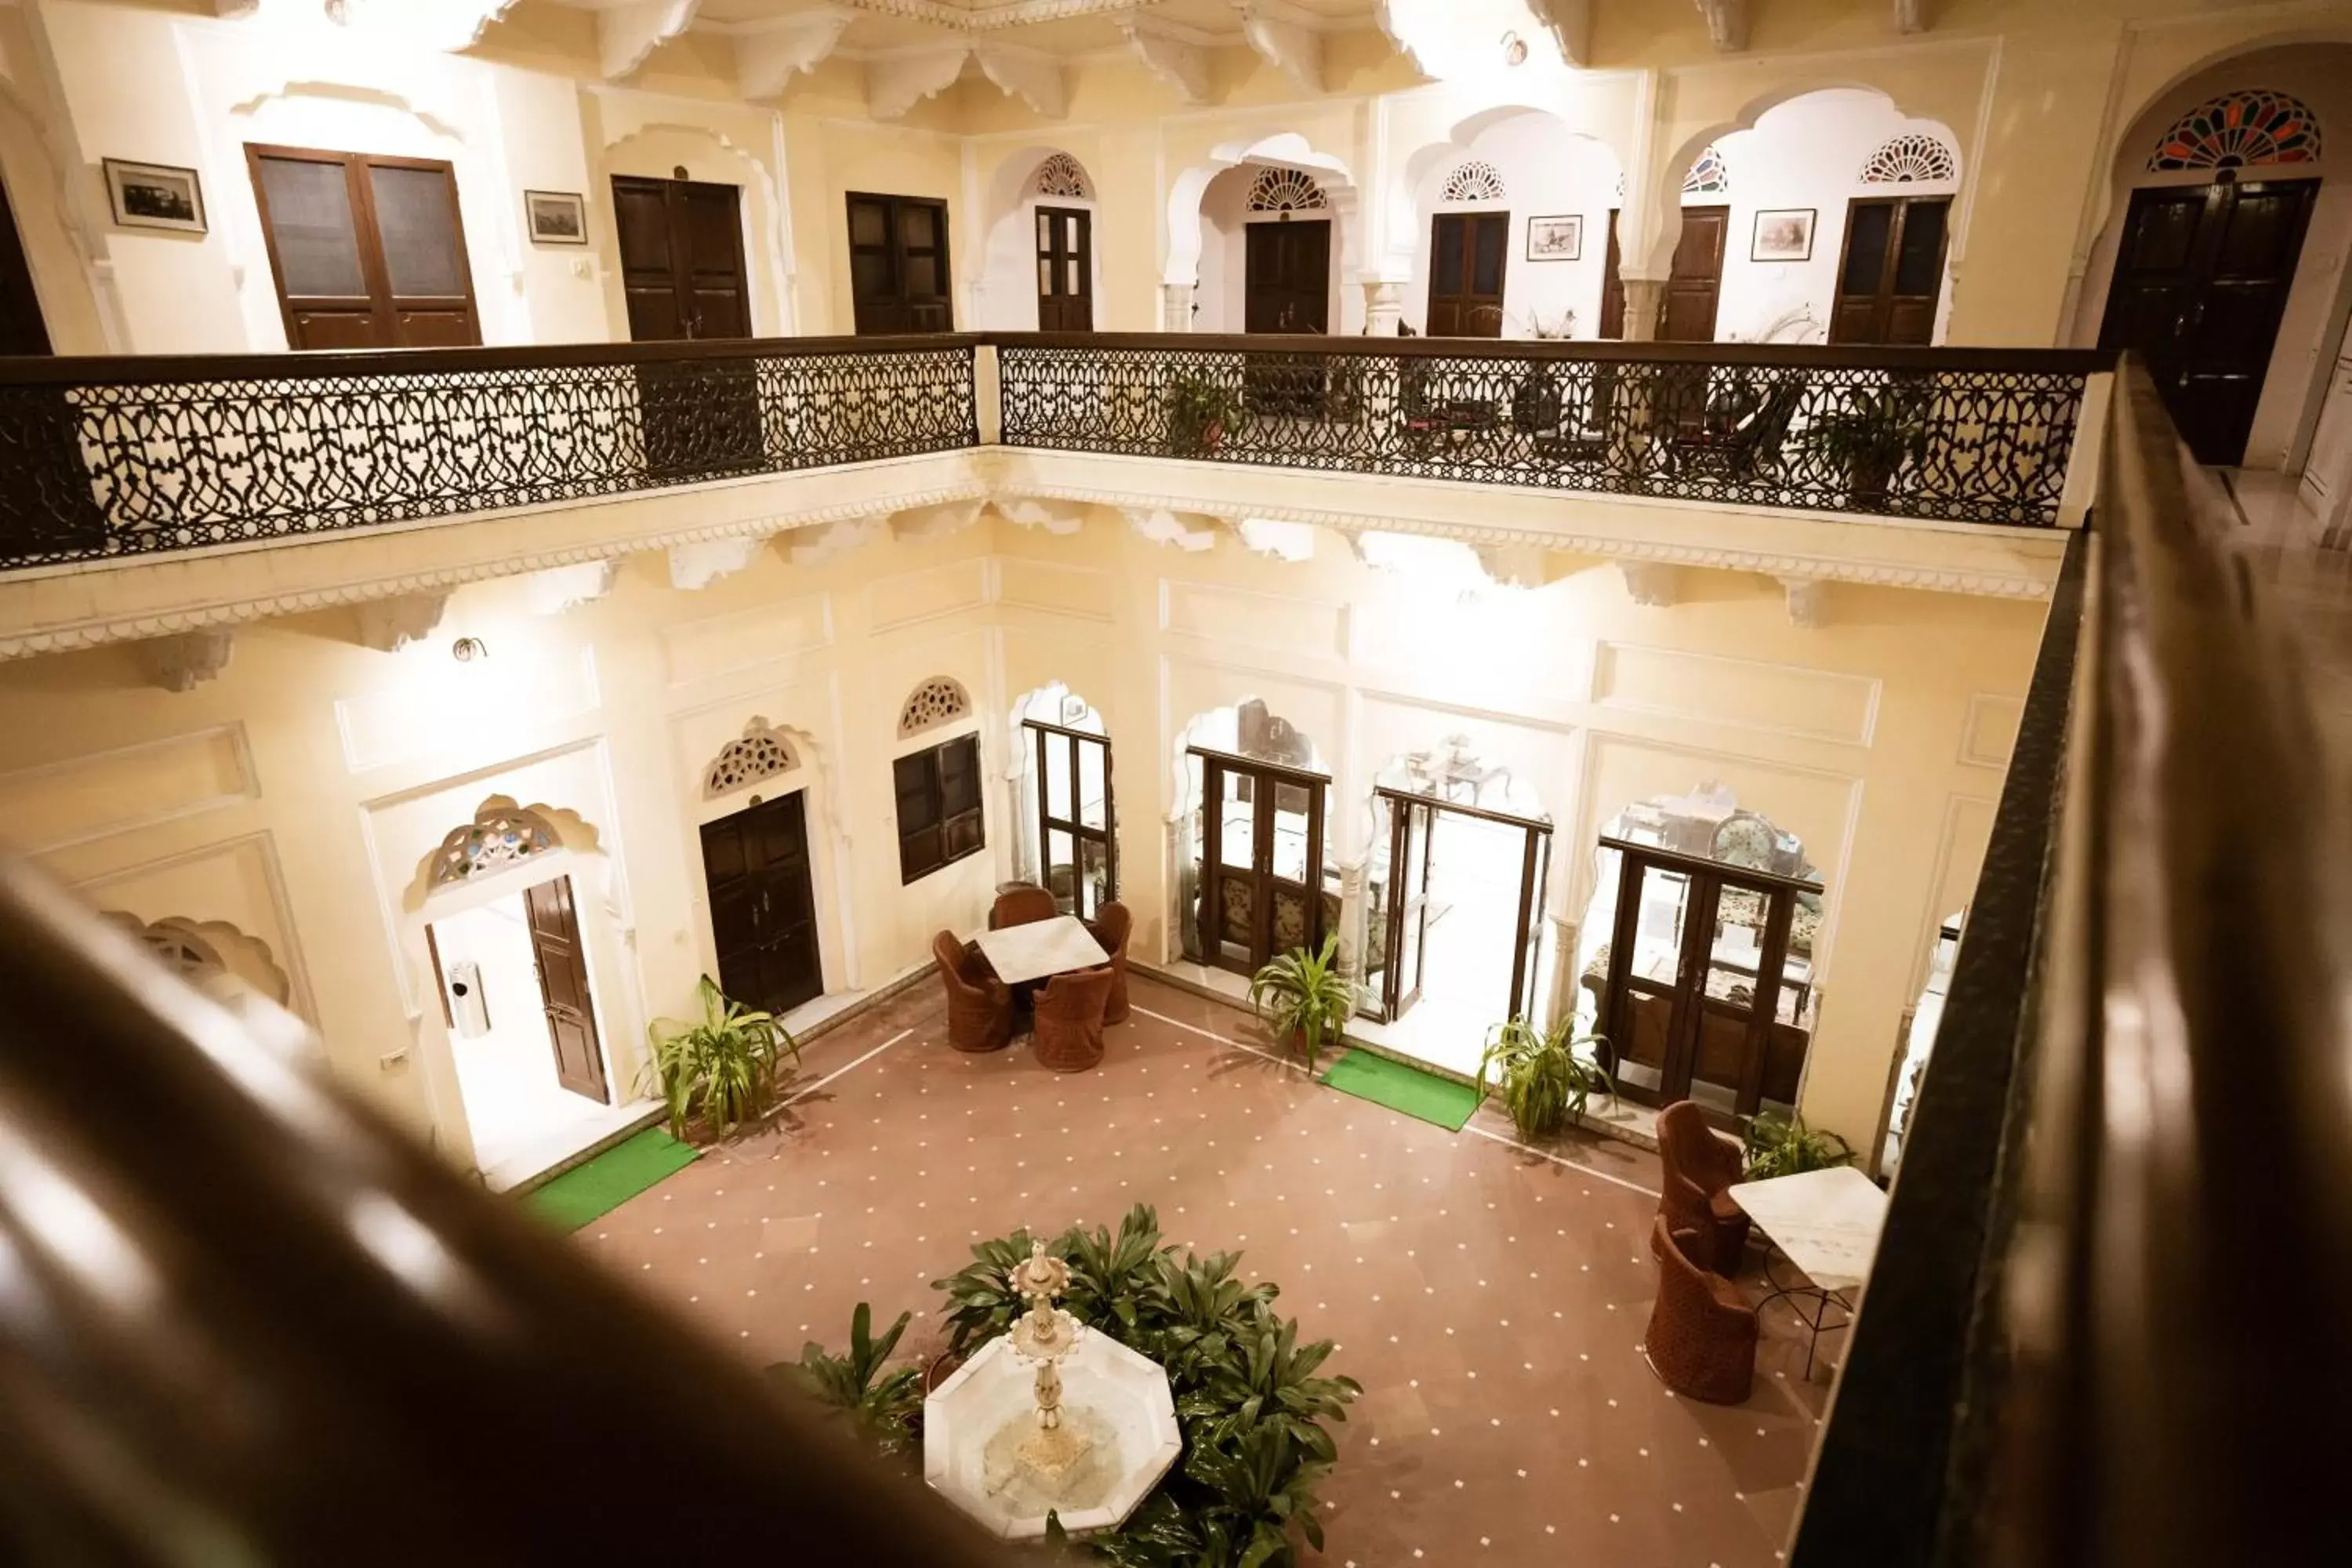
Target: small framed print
[[154, 195], [1559, 239], [557, 218], [1783, 235]]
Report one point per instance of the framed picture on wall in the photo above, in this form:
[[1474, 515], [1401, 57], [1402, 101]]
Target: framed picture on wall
[[557, 218], [1559, 239], [1785, 234], [155, 195]]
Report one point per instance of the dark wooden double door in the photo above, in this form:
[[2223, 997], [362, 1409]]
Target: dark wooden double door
[[1261, 868], [682, 274], [1065, 262], [2200, 282], [755, 866], [899, 276], [1286, 276], [1891, 272], [1702, 999], [1468, 254]]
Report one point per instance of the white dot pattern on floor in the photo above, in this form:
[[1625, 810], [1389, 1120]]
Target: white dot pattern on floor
[[1471, 1438]]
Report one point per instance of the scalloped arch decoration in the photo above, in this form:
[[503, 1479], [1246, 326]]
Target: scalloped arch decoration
[[1062, 175], [1914, 157], [2238, 131], [1285, 189], [500, 835], [939, 700], [761, 752], [1474, 180], [1708, 173]]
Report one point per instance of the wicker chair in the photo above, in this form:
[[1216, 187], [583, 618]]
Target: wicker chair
[[1111, 926], [1702, 1338], [1069, 1026], [1022, 905], [1698, 1165], [979, 1008]]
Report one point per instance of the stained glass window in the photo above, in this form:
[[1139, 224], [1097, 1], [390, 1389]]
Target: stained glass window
[[2238, 131], [1708, 175], [494, 840]]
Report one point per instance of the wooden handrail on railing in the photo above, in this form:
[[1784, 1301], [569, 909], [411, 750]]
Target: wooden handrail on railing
[[2107, 1321], [119, 456]]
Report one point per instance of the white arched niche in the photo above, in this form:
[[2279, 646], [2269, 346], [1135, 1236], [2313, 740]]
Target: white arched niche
[[1209, 208], [1003, 297], [1245, 729]]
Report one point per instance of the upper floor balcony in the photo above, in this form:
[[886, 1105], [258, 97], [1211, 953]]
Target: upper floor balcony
[[1952, 470]]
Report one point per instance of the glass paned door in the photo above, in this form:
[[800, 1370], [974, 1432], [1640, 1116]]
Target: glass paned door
[[1410, 829], [1078, 846], [1261, 859]]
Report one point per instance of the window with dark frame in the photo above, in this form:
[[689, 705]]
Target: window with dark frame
[[938, 807], [366, 252], [899, 278], [1078, 845]]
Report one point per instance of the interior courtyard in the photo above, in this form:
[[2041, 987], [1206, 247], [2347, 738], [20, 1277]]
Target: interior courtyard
[[1417, 634]]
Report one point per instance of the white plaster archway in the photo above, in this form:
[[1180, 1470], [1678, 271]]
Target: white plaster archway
[[1052, 703], [1188, 228], [1003, 293], [656, 149]]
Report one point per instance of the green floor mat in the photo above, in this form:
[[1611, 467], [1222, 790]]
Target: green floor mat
[[611, 1179], [1439, 1101]]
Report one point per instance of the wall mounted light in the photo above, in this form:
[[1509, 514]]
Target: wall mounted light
[[1515, 49], [466, 650]]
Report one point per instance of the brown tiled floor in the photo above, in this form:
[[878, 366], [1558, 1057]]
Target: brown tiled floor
[[1491, 1301]]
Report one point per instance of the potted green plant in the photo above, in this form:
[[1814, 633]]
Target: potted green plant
[[722, 1067], [886, 1408], [1303, 997], [1871, 438], [1784, 1147], [1543, 1083], [1200, 412]]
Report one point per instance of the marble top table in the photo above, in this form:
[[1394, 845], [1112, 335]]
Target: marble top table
[[1826, 1222], [1040, 948]]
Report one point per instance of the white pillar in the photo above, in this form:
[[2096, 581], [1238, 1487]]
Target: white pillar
[[1176, 307], [1643, 296], [1383, 307]]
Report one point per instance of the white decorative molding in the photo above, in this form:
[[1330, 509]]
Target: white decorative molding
[[831, 541], [390, 625], [1279, 188], [626, 33], [1650, 583], [696, 567], [1914, 157], [936, 521], [1809, 602], [1912, 15], [1162, 526], [1284, 539], [1727, 23], [184, 662], [1034, 78], [1473, 180], [767, 58], [896, 83], [1177, 61], [562, 588], [1284, 39], [1030, 511]]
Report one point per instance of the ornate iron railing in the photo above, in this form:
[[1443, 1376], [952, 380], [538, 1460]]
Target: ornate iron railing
[[1969, 436], [111, 458]]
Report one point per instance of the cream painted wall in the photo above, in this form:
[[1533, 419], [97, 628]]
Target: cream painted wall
[[1546, 171]]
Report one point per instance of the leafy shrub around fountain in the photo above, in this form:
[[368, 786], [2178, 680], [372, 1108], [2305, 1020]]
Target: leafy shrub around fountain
[[1249, 1397]]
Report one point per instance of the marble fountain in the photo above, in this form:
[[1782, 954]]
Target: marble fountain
[[1050, 1418]]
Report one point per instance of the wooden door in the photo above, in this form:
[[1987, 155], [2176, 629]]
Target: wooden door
[[1065, 285], [1612, 288], [2201, 279], [22, 330], [367, 251], [1412, 827], [1078, 828], [1891, 272], [1260, 872], [682, 268], [1687, 312], [1467, 255], [755, 866], [898, 273], [1286, 278], [562, 964]]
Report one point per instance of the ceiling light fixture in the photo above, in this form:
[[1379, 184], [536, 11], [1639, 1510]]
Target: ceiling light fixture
[[466, 650]]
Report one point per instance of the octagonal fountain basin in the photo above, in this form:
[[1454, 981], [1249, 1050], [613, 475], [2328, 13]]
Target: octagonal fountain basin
[[1115, 1404]]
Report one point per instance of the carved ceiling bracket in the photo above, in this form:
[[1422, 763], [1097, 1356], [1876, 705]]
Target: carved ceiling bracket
[[936, 521], [1283, 37], [809, 547], [1031, 511], [768, 55], [1188, 532], [1650, 583], [390, 625], [1182, 64], [562, 588], [1727, 23], [1809, 602], [626, 33], [1912, 15], [697, 566], [184, 662]]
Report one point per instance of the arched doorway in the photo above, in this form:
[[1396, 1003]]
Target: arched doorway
[[1038, 265], [1255, 877], [2222, 186], [1065, 822], [1307, 202], [1925, 1017], [758, 869], [1696, 956]]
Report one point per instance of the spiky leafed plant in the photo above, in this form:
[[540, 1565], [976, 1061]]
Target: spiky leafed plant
[[1544, 1084], [1111, 1276], [1779, 1147], [723, 1067], [1304, 994], [1261, 1489], [982, 1302], [887, 1407], [1199, 1314], [1274, 1382]]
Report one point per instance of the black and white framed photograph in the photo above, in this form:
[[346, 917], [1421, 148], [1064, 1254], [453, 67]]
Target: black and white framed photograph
[[1784, 233], [557, 218], [1559, 239], [154, 195]]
